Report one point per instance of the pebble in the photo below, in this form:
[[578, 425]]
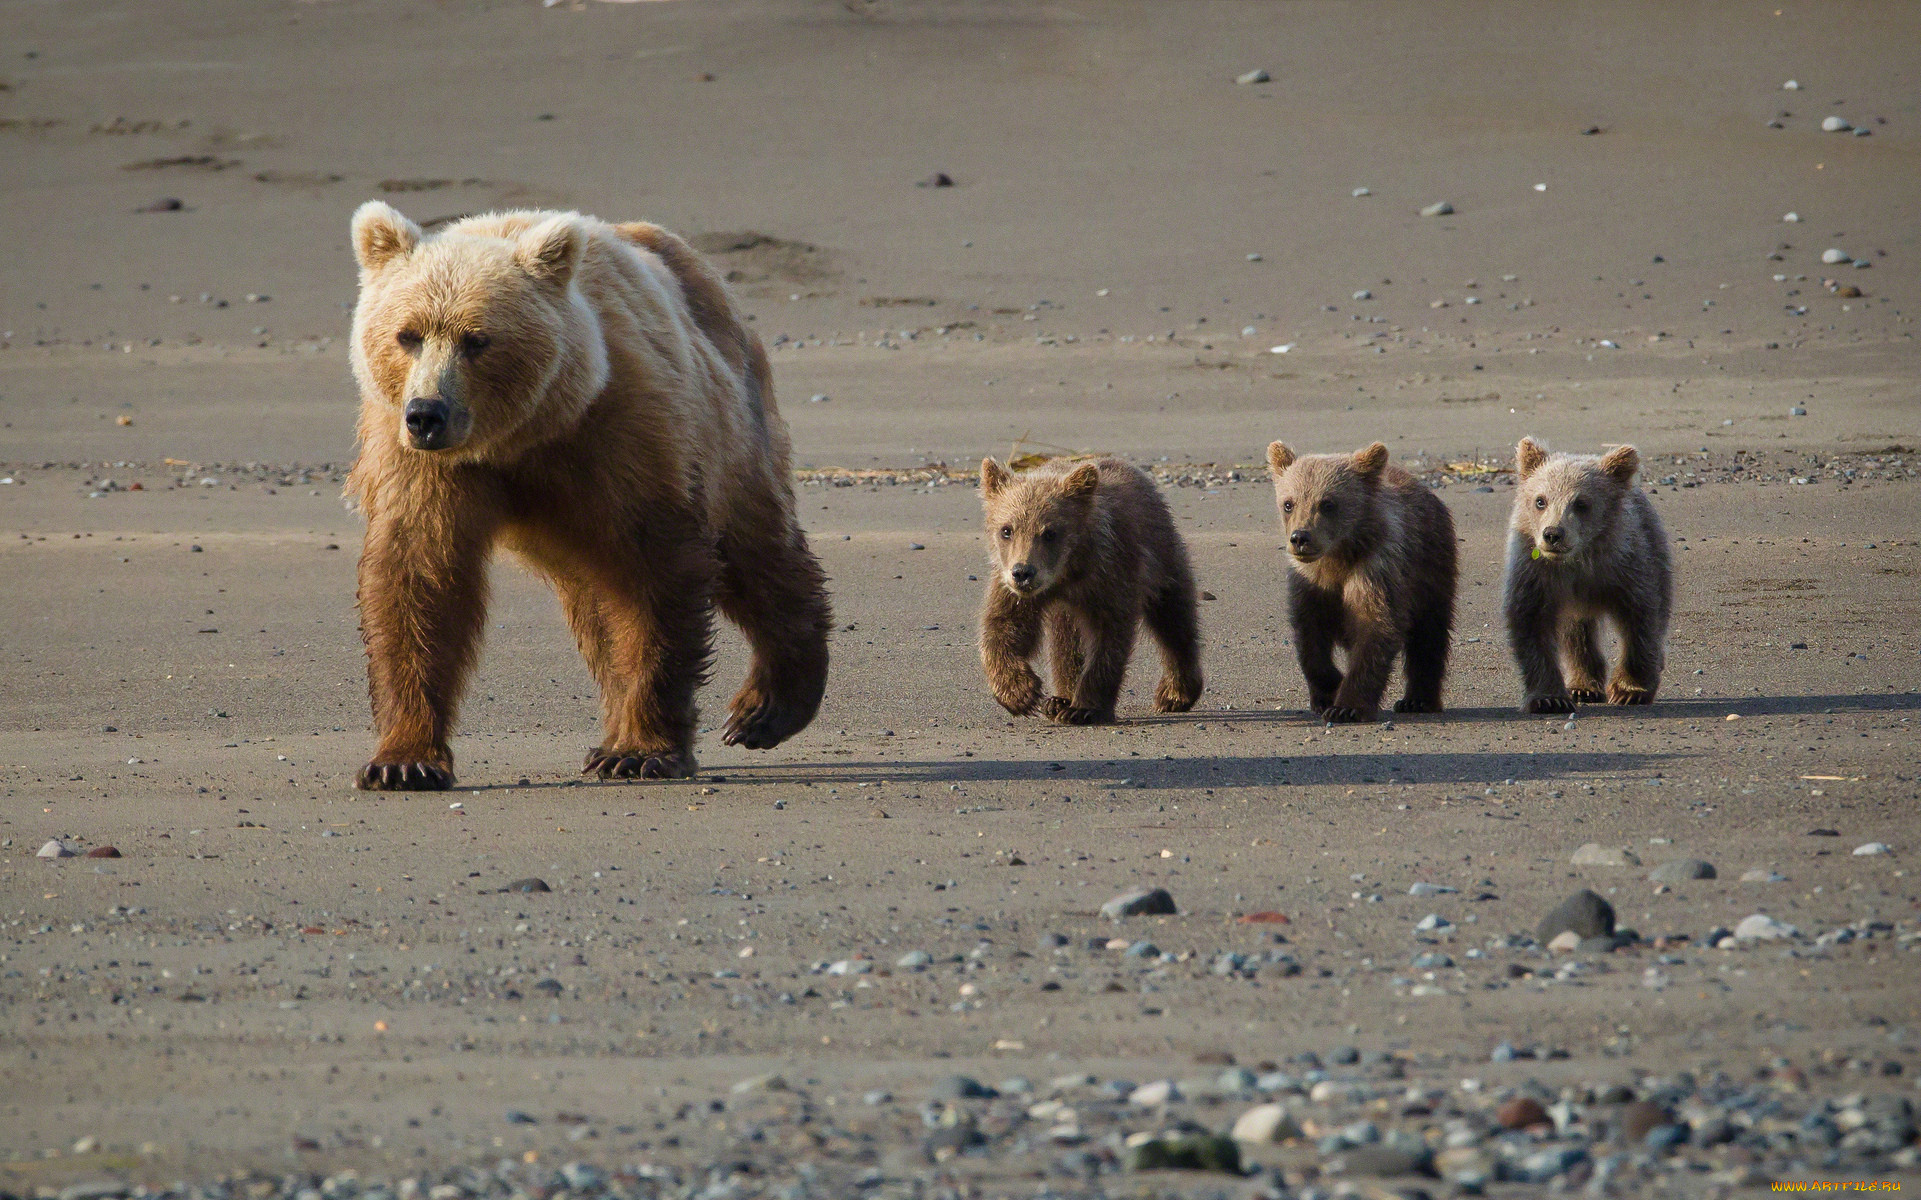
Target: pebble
[[1430, 889], [1639, 1117], [1584, 913], [164, 204], [1797, 410], [1359, 192], [1265, 1124], [1762, 928], [1861, 851], [1522, 1112], [1762, 875], [1439, 208], [1682, 870], [1793, 218], [1140, 902], [1154, 1095], [104, 852], [1432, 923], [1186, 1152], [1835, 125], [1401, 1154], [1594, 854], [55, 848], [851, 966], [1565, 942], [1364, 294], [1834, 255], [527, 885], [1257, 75], [914, 960], [760, 1083], [960, 1087]]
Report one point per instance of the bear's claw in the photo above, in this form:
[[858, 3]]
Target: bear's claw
[[1341, 714], [1052, 707], [1621, 693], [1550, 704], [403, 777], [1581, 695], [1170, 698], [1083, 716], [761, 724], [639, 764], [1409, 704]]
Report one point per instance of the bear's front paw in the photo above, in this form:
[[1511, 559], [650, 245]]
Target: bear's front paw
[[1319, 702], [1549, 704], [1085, 716], [639, 764], [1172, 697], [404, 777], [1627, 693], [1052, 707], [1346, 714], [1409, 704], [1586, 695], [760, 722], [1019, 694]]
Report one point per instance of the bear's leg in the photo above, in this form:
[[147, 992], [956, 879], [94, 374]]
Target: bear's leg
[[1370, 660], [1586, 667], [655, 622], [1533, 635], [1316, 616], [1173, 619], [423, 602], [772, 586], [1638, 675], [1066, 657], [1109, 643], [1010, 634], [1425, 662]]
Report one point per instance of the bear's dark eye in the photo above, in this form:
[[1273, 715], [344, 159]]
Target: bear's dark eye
[[1329, 508], [1007, 533], [471, 344], [1048, 535], [408, 339], [1287, 506], [1540, 502], [1579, 506]]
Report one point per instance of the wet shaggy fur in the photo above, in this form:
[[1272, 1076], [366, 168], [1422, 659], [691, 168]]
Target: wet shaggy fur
[[1584, 544], [586, 396], [1084, 553], [1373, 569]]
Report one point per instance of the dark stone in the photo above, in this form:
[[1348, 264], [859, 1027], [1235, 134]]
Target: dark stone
[[1191, 1152], [1585, 912], [527, 885], [1522, 1112], [1388, 1159], [960, 1087], [1143, 902], [104, 852], [1638, 1117]]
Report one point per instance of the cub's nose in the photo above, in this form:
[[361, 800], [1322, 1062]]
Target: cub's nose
[[426, 420], [1300, 539], [1021, 574], [1554, 535]]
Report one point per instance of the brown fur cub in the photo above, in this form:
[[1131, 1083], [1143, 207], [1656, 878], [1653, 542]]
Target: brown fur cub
[[1584, 543], [1372, 552], [1084, 553], [586, 396]]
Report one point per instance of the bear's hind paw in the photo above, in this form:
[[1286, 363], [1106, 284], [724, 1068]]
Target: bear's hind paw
[[639, 764], [403, 777], [762, 722], [1173, 698], [1342, 714]]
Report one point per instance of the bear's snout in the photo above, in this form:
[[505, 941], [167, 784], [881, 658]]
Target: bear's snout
[[1022, 575], [1301, 544], [427, 423], [1554, 537]]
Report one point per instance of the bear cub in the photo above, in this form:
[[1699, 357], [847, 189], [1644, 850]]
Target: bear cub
[[1084, 553], [1373, 569], [1584, 543]]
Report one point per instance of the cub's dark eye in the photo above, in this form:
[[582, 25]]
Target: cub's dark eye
[[1540, 502], [1048, 535], [408, 339], [1579, 506], [471, 344], [1287, 506], [1329, 508], [1007, 533]]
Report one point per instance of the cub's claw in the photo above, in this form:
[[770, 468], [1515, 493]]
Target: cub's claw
[[404, 777], [1621, 693], [1084, 716], [1169, 697], [1549, 704], [1052, 707], [1408, 704], [1341, 714], [761, 722], [1586, 695], [639, 764]]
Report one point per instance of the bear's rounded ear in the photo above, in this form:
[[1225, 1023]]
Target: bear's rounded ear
[[994, 477], [1279, 458], [1622, 462], [1080, 482], [381, 234], [551, 250], [1528, 457], [1369, 460]]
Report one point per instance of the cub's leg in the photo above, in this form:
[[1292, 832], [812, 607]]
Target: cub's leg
[[1109, 643], [423, 601], [1066, 658], [1585, 664], [1316, 616], [1173, 618], [1370, 660], [772, 586], [1533, 635], [1010, 634], [1426, 663], [655, 623], [1638, 675]]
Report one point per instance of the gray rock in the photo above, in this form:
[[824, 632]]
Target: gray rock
[[1398, 1155], [1762, 875], [1257, 75], [1762, 928], [1682, 870], [1594, 854], [960, 1087], [1835, 125], [55, 848], [1140, 902], [1584, 913], [1265, 1124], [914, 960], [1862, 851], [1440, 208], [1425, 890]]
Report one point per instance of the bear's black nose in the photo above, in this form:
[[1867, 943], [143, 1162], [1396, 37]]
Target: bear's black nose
[[1021, 574], [426, 420], [1554, 535], [1299, 539]]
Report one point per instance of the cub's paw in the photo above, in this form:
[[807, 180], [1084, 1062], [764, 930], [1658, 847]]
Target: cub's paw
[[1622, 693], [1549, 704], [1020, 694], [1318, 703], [760, 722], [1085, 716], [1052, 707], [1171, 696], [639, 764], [404, 777], [1408, 704], [1582, 695], [1342, 714]]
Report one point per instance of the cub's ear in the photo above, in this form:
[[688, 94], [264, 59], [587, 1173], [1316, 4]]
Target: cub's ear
[[1528, 456], [994, 477], [1081, 481], [551, 250], [1622, 462], [1370, 460], [381, 234], [1279, 458]]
